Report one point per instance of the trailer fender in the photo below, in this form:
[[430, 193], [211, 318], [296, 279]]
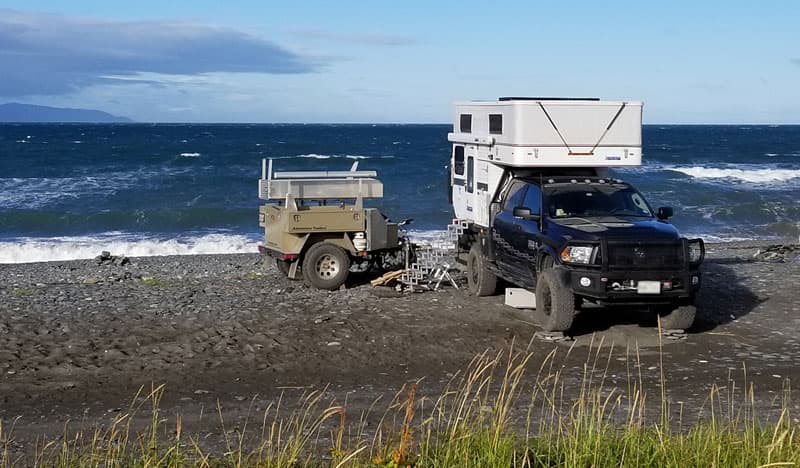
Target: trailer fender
[[342, 241]]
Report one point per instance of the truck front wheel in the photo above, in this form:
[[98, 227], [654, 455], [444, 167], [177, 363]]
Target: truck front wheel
[[480, 280], [677, 317], [555, 303], [325, 266]]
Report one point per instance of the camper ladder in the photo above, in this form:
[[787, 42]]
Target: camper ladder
[[434, 260]]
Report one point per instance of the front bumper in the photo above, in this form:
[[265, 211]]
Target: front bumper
[[629, 286]]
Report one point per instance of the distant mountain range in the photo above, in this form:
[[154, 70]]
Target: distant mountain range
[[16, 112]]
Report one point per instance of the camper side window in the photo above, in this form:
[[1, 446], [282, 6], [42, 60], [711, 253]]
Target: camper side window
[[470, 174], [466, 123], [458, 160], [496, 124]]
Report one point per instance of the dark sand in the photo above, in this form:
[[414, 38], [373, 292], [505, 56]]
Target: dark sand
[[78, 339]]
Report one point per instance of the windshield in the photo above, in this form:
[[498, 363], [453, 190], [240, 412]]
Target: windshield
[[583, 200]]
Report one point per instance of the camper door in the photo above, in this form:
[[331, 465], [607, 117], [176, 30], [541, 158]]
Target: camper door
[[460, 176]]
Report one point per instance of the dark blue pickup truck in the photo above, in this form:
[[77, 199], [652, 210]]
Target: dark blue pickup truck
[[577, 239]]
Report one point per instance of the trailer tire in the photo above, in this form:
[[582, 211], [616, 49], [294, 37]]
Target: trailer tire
[[326, 266], [677, 317], [284, 265], [555, 303], [480, 280]]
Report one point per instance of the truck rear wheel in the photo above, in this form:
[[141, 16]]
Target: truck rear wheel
[[284, 265], [480, 280], [325, 266], [555, 303], [677, 317]]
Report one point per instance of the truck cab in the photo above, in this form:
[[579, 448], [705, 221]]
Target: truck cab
[[555, 223]]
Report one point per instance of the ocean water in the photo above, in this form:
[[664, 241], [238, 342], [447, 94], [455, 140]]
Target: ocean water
[[71, 190]]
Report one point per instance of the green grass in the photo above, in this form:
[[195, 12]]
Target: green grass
[[154, 282], [490, 415], [23, 292]]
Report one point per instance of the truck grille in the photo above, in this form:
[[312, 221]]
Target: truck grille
[[645, 256]]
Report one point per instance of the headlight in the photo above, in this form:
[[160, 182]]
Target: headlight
[[577, 254], [697, 251]]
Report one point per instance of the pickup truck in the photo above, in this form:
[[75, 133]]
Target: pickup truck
[[577, 239]]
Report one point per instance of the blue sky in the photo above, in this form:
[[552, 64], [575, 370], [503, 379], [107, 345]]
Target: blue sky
[[315, 61]]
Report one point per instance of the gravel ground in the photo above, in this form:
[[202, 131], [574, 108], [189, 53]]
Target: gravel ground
[[77, 339]]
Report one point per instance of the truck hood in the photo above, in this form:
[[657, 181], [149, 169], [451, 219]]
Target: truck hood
[[613, 227]]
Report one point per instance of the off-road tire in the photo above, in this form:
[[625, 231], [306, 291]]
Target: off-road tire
[[325, 266], [284, 265], [677, 317], [480, 280], [555, 303]]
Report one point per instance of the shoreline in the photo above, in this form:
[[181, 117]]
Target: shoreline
[[732, 245], [77, 339]]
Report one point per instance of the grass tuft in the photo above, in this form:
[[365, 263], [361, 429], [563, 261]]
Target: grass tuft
[[489, 415]]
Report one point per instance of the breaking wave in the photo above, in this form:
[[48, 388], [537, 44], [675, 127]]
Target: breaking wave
[[42, 249], [745, 174]]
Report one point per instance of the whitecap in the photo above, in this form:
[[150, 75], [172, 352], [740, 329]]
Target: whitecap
[[745, 174], [314, 156], [41, 249], [190, 155]]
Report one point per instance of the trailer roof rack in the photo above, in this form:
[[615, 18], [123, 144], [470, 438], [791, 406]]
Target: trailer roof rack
[[318, 185], [526, 98]]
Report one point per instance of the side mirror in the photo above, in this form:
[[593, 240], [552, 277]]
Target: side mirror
[[522, 212], [664, 212]]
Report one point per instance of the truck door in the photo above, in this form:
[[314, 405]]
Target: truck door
[[520, 237], [504, 230]]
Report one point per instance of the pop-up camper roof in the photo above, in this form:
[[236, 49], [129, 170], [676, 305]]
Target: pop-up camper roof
[[551, 132]]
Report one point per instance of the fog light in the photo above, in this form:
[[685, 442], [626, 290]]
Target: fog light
[[585, 282], [695, 280]]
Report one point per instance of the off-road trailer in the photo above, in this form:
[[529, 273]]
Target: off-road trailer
[[315, 224]]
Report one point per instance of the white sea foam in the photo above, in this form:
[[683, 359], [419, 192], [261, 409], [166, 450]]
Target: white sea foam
[[431, 235], [329, 156], [749, 174], [314, 156], [716, 238], [190, 155], [41, 249]]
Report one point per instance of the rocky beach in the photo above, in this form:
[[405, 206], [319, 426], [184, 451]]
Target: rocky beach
[[228, 334]]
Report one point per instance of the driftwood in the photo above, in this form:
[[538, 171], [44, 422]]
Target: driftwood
[[387, 278]]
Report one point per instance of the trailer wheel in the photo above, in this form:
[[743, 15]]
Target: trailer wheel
[[677, 317], [284, 265], [480, 280], [555, 303], [325, 266]]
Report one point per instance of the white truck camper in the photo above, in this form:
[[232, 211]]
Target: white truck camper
[[490, 137], [535, 206]]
